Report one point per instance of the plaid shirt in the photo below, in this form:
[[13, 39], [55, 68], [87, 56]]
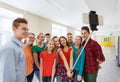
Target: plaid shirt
[[93, 53]]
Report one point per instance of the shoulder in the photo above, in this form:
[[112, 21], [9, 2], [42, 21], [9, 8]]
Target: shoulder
[[70, 48], [8, 46], [35, 46], [83, 52], [42, 54], [93, 41], [55, 55]]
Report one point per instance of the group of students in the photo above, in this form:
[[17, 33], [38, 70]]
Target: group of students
[[50, 60]]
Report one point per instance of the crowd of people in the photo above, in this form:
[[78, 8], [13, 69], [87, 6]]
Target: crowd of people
[[49, 58]]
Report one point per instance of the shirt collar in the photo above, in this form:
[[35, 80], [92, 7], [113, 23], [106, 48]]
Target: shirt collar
[[17, 42]]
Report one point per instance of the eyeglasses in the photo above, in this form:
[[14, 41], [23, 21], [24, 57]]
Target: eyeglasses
[[31, 37]]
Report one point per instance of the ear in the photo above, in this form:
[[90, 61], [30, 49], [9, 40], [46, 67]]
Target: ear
[[14, 28]]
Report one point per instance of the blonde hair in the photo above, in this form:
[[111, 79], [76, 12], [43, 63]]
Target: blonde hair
[[47, 48], [39, 34]]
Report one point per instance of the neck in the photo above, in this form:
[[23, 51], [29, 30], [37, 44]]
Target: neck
[[77, 46], [18, 38], [40, 44], [27, 45], [65, 46], [49, 51]]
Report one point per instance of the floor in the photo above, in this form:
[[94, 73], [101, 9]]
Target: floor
[[109, 72]]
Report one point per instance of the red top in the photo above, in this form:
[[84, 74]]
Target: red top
[[48, 61], [93, 52], [66, 54]]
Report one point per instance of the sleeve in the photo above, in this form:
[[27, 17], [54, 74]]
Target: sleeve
[[34, 49], [98, 52], [82, 61], [7, 66]]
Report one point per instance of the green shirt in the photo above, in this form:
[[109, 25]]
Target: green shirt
[[36, 49]]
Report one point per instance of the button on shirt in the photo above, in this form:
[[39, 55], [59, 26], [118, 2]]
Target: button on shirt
[[12, 62]]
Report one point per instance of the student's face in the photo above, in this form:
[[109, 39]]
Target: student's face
[[50, 45], [41, 38], [30, 39], [47, 38], [63, 41], [21, 31], [78, 40], [69, 38], [84, 34], [56, 41]]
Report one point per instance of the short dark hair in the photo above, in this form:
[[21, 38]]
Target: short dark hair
[[85, 28], [47, 34], [54, 37], [17, 22], [69, 33]]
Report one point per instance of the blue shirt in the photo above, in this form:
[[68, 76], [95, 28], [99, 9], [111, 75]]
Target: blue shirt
[[12, 62], [80, 64]]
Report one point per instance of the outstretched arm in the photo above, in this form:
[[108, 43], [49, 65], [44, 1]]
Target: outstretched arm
[[64, 60]]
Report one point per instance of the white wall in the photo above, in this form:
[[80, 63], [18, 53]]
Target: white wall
[[36, 23]]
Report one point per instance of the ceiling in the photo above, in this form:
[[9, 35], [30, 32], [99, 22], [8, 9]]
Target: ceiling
[[69, 12]]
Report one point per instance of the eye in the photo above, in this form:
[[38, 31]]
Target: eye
[[31, 37]]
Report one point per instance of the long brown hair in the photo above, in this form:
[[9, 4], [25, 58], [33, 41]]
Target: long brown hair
[[66, 42], [78, 52]]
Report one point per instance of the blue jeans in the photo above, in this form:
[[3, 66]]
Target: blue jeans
[[75, 77], [30, 77], [37, 74], [46, 79], [58, 80]]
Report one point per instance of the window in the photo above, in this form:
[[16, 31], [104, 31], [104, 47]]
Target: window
[[77, 32], [6, 18], [58, 30]]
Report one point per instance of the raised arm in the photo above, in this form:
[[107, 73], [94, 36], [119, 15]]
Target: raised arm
[[71, 59], [64, 60]]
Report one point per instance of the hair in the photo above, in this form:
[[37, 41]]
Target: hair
[[60, 42], [39, 34], [47, 34], [46, 46], [54, 37], [78, 52], [27, 36], [17, 22], [69, 33], [85, 28]]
